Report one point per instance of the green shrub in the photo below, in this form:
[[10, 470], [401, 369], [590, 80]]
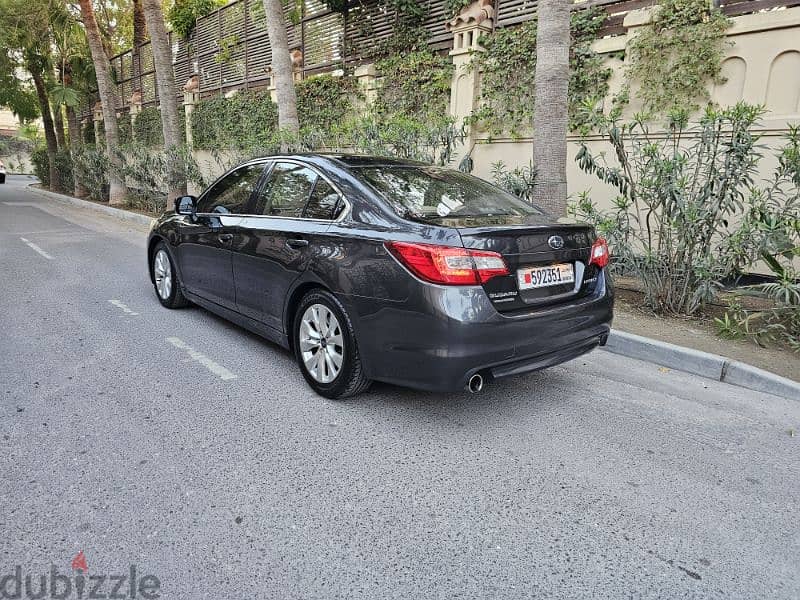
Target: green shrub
[[65, 168], [518, 181], [689, 214], [432, 141], [774, 223], [41, 168], [147, 171], [88, 134], [124, 128], [147, 128], [91, 169], [414, 85], [246, 120], [325, 102]]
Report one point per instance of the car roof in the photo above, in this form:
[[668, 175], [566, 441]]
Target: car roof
[[351, 160]]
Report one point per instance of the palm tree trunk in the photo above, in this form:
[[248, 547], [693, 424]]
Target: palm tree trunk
[[47, 122], [550, 109], [106, 90], [167, 93], [58, 124], [139, 37], [75, 144], [282, 68]]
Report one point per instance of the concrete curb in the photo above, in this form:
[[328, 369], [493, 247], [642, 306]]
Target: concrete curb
[[119, 213], [700, 363]]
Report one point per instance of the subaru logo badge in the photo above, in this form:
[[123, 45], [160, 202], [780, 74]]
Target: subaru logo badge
[[556, 242]]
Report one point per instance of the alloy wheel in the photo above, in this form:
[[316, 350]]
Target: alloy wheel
[[321, 343], [162, 271]]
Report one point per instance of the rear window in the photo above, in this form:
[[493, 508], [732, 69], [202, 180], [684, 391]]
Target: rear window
[[430, 193]]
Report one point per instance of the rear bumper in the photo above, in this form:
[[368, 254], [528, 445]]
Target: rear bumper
[[440, 336]]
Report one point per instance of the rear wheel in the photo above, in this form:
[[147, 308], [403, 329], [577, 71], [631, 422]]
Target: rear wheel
[[325, 347], [165, 279]]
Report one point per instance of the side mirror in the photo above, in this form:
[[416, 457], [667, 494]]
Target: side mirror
[[186, 205]]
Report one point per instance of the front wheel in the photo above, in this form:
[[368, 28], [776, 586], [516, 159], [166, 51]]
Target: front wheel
[[325, 347], [165, 279]]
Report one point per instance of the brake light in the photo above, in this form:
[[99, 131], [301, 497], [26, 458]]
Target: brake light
[[599, 254], [448, 265]]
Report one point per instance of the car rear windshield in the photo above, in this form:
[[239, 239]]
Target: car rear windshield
[[431, 193]]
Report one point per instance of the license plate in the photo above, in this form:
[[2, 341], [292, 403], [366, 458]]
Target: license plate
[[539, 277]]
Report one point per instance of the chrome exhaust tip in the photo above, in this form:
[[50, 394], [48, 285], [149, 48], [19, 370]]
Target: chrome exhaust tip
[[475, 384]]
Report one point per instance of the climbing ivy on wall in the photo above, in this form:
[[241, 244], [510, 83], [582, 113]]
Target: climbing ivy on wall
[[676, 56], [325, 102], [246, 120], [415, 84], [147, 129], [508, 64]]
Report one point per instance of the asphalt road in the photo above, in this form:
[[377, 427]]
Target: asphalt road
[[176, 442]]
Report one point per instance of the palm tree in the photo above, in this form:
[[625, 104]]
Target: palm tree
[[25, 36], [107, 92], [550, 106], [36, 65], [282, 68], [167, 93]]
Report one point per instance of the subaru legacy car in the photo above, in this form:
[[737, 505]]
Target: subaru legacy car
[[374, 269]]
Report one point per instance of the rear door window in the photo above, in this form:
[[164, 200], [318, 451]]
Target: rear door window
[[286, 191], [324, 203]]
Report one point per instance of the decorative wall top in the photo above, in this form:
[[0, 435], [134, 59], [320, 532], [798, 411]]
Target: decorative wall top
[[472, 14]]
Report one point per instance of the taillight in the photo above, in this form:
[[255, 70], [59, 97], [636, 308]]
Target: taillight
[[448, 265], [599, 254]]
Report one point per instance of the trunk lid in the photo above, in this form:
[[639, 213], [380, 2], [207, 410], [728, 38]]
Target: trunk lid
[[526, 247]]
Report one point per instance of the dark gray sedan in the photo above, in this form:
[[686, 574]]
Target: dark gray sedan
[[388, 270]]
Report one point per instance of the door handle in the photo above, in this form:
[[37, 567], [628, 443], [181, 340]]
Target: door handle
[[296, 243], [225, 237]]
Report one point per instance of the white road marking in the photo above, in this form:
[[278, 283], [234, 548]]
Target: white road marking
[[209, 364], [123, 307], [36, 248]]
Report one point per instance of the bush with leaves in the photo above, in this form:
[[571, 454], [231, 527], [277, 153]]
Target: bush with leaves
[[518, 181], [88, 134], [91, 168], [774, 220], [414, 85], [146, 171], [41, 168], [147, 129], [508, 65], [433, 141], [246, 120], [674, 57], [124, 128], [325, 102], [683, 220]]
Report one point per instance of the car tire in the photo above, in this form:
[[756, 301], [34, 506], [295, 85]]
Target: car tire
[[2, 178], [335, 327], [165, 278]]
